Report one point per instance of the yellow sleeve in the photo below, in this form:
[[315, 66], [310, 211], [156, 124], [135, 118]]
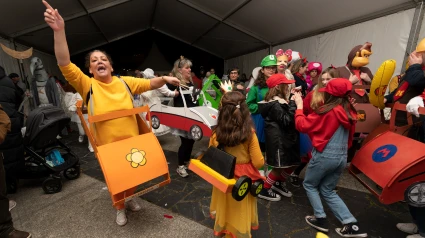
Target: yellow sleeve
[[137, 85], [76, 78], [257, 158], [213, 140]]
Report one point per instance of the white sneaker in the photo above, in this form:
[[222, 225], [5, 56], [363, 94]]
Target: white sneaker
[[12, 204], [415, 236], [133, 206], [81, 139], [90, 148], [121, 217], [182, 171], [409, 228]]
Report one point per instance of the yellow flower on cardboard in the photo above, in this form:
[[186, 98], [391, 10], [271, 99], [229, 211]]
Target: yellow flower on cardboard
[[136, 158]]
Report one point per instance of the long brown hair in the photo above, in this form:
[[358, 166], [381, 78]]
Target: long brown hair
[[234, 124], [332, 102], [280, 91], [318, 97], [297, 65], [261, 79]]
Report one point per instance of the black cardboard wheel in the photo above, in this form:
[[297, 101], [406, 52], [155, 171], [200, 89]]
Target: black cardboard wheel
[[241, 188], [415, 194], [256, 187]]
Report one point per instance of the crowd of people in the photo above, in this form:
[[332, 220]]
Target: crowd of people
[[288, 115]]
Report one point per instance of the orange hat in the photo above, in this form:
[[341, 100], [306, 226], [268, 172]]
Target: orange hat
[[338, 87], [277, 79]]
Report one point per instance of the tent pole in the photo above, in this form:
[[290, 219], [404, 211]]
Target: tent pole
[[414, 32]]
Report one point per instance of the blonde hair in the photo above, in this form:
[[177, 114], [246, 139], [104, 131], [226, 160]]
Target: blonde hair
[[178, 64], [319, 97]]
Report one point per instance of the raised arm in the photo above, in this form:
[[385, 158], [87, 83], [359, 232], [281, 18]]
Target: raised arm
[[56, 22]]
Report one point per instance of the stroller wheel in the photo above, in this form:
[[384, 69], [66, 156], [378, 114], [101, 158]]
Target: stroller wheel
[[52, 185], [12, 186], [72, 173]]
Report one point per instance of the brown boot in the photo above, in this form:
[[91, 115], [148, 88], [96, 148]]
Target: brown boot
[[19, 234]]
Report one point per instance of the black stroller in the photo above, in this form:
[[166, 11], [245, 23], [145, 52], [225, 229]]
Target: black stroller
[[42, 127]]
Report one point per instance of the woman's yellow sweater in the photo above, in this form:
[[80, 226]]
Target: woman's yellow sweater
[[108, 97]]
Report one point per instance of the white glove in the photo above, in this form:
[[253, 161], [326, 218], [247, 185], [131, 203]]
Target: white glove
[[414, 104]]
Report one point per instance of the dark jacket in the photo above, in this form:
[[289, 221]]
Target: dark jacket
[[415, 79], [282, 139], [178, 101], [12, 146], [52, 92], [300, 81]]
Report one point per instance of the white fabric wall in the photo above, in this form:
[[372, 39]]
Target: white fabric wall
[[246, 63], [388, 35], [11, 65]]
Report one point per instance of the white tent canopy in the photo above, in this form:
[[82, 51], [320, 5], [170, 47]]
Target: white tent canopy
[[225, 28]]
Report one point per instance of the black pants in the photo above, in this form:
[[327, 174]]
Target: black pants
[[418, 215], [185, 150], [6, 224]]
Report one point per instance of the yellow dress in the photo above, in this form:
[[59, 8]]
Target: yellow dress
[[232, 218]]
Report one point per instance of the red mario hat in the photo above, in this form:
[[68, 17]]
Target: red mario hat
[[338, 87], [277, 79]]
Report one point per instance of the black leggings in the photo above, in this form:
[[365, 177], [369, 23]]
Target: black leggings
[[300, 167], [185, 150]]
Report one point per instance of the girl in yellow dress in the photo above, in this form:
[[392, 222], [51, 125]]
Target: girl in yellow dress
[[235, 131]]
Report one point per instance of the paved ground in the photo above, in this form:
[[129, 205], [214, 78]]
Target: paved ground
[[186, 198]]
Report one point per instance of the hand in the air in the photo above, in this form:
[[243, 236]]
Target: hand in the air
[[365, 77], [53, 18], [415, 58], [354, 79], [171, 80], [414, 105]]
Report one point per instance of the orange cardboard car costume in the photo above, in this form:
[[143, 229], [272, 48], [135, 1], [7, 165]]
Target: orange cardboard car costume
[[128, 163]]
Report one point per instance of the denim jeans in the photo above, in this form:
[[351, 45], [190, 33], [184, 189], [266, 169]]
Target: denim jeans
[[322, 175]]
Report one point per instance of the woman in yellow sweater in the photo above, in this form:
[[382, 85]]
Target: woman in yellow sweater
[[109, 93], [235, 132]]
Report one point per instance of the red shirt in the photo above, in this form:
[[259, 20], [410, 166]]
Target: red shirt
[[321, 128], [307, 104]]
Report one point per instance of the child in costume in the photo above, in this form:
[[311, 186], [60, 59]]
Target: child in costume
[[257, 93], [234, 131], [282, 139], [331, 129], [283, 59], [314, 69], [313, 101]]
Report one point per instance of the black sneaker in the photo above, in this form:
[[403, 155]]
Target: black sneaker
[[294, 180], [320, 224], [269, 194], [350, 230], [280, 187]]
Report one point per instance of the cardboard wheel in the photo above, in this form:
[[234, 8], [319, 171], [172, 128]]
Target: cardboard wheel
[[256, 187], [196, 132], [241, 188], [155, 122], [415, 194]]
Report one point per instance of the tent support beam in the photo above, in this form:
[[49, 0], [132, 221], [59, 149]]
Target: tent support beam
[[184, 41], [110, 41], [414, 32], [155, 4], [94, 22], [222, 20], [72, 17]]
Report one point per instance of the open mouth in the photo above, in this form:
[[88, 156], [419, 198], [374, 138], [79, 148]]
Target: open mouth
[[101, 69]]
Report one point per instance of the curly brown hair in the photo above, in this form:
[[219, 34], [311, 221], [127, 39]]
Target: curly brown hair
[[234, 124], [261, 79], [87, 58]]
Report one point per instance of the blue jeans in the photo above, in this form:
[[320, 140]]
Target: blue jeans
[[322, 175]]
